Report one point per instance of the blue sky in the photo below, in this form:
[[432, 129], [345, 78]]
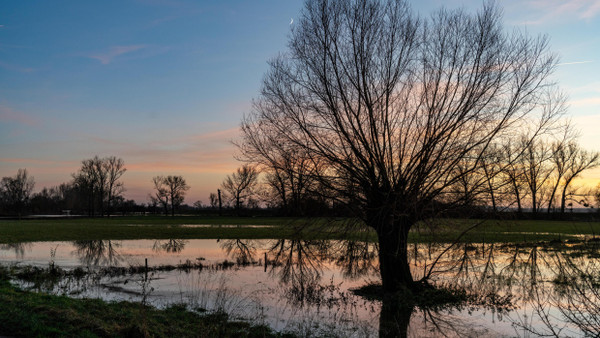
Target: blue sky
[[164, 83]]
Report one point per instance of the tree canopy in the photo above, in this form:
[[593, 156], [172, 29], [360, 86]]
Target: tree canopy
[[387, 104]]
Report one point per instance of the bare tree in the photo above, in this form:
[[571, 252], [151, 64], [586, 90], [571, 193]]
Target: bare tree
[[86, 183], [559, 159], [390, 103], [98, 181], [537, 170], [214, 201], [577, 161], [176, 188], [240, 185], [288, 170], [114, 168], [16, 190], [161, 195], [492, 166], [170, 191]]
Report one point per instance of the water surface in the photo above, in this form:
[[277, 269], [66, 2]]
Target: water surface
[[304, 286]]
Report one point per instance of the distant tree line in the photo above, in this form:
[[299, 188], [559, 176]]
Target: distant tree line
[[95, 190], [537, 178], [537, 174], [284, 191], [521, 174]]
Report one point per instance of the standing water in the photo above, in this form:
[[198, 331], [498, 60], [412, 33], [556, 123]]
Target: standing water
[[305, 286]]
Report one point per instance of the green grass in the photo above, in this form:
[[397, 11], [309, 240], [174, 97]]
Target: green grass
[[158, 227], [32, 314], [512, 231], [155, 227]]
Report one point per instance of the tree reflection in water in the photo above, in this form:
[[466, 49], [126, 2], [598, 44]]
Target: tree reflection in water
[[300, 264], [242, 250], [18, 248], [569, 300], [555, 282], [98, 252], [550, 289], [169, 245]]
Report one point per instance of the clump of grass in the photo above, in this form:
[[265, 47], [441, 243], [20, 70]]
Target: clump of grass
[[435, 298], [426, 297]]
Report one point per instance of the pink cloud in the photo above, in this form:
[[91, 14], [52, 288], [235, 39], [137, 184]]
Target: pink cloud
[[16, 68], [9, 115], [114, 51]]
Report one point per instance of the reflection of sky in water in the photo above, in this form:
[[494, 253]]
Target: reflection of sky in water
[[308, 287]]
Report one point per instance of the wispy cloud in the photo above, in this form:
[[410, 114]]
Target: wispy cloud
[[115, 51], [159, 21], [552, 9], [166, 3], [8, 114], [16, 68], [592, 101]]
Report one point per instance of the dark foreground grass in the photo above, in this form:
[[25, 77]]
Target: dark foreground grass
[[160, 227], [31, 314]]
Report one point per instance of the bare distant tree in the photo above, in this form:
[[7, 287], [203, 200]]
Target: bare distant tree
[[114, 168], [198, 205], [240, 185], [98, 181], [389, 103], [161, 195], [576, 161], [513, 173], [176, 188], [16, 190], [170, 191], [492, 166], [214, 200], [86, 182], [288, 170], [559, 159], [537, 170]]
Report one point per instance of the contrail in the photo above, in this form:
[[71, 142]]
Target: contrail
[[573, 63]]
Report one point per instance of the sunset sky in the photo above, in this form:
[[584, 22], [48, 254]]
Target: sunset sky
[[163, 84]]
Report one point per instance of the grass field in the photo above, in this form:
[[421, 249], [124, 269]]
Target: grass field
[[160, 227]]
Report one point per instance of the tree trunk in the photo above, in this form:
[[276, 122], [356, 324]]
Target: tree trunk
[[393, 255], [533, 201], [563, 198], [394, 318], [518, 197], [220, 203]]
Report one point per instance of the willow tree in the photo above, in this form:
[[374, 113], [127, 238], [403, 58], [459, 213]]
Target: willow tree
[[389, 103]]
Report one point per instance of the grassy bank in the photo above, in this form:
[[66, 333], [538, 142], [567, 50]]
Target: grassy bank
[[157, 227], [31, 314]]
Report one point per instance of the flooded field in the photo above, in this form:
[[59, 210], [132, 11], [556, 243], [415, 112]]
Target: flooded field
[[305, 286]]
